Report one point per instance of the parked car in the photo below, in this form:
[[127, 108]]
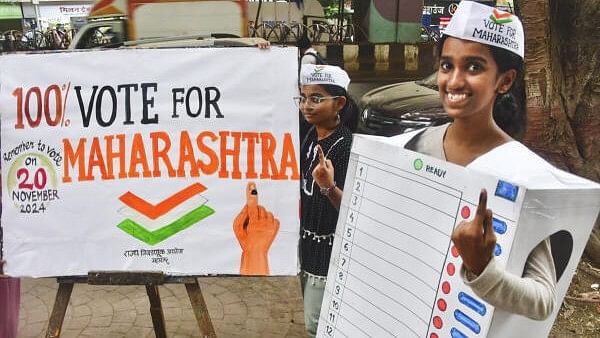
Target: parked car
[[401, 107]]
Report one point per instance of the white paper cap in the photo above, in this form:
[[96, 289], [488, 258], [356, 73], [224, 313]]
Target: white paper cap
[[324, 74], [484, 24]]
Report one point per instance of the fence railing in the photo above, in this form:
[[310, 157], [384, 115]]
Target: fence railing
[[15, 40], [288, 33]]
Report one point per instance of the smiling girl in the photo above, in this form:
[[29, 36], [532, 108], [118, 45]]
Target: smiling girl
[[479, 77], [325, 151]]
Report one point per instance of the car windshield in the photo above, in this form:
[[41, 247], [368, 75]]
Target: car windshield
[[429, 82]]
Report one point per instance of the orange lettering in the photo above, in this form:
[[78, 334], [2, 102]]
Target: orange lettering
[[96, 159], [213, 165], [252, 139], [111, 155], [288, 158], [268, 146], [186, 154], [235, 153], [74, 157], [138, 157], [158, 153]]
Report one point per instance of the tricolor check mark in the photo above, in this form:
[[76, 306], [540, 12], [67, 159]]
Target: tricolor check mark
[[153, 211], [500, 17]]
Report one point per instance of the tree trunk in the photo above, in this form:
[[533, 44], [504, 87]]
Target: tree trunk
[[562, 61]]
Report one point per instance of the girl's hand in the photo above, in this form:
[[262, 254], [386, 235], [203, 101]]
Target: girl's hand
[[323, 172], [475, 240]]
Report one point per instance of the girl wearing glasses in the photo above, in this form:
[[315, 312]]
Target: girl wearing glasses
[[324, 152]]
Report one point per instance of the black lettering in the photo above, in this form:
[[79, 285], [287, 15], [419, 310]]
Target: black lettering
[[113, 114], [176, 100], [187, 102], [148, 102], [212, 102], [127, 88], [86, 115]]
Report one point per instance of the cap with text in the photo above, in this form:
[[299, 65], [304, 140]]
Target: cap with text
[[324, 74], [484, 24]]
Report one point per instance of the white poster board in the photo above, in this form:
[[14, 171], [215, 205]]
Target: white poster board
[[140, 159], [394, 271]]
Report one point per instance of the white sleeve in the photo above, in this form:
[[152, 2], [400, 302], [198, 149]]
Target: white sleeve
[[533, 295], [308, 59]]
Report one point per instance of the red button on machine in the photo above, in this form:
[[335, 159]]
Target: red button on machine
[[446, 287], [442, 304], [465, 212], [451, 269], [454, 251]]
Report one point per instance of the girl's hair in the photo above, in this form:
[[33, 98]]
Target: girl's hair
[[509, 112], [349, 113]]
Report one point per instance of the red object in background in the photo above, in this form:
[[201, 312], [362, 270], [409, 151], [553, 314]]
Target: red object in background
[[454, 251], [437, 322], [444, 21], [10, 297]]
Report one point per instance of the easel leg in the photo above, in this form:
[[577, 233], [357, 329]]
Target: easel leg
[[59, 309], [158, 319], [200, 310]]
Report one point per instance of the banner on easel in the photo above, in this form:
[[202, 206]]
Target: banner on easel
[[178, 160]]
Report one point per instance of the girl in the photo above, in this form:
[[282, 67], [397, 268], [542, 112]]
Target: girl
[[324, 153], [480, 70]]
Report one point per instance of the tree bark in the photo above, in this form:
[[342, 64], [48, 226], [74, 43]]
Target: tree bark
[[562, 62]]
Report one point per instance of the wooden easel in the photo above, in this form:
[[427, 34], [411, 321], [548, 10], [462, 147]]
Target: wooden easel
[[150, 279]]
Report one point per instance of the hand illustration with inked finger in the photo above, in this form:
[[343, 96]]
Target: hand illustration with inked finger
[[255, 229], [475, 240]]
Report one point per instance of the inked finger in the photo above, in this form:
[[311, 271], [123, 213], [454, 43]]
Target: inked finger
[[321, 155], [482, 207], [488, 226], [252, 200]]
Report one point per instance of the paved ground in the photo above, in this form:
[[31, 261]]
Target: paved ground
[[239, 307]]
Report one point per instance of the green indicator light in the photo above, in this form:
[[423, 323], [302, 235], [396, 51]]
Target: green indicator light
[[418, 164]]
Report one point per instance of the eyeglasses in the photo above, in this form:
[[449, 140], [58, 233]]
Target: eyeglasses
[[312, 100]]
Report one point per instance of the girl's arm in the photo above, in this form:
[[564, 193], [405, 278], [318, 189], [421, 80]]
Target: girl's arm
[[532, 295]]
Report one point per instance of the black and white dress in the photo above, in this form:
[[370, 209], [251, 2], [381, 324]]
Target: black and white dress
[[318, 217]]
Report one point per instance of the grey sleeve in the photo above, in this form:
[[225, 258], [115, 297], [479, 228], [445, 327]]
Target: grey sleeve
[[533, 295]]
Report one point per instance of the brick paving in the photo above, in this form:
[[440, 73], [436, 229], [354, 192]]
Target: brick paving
[[239, 307]]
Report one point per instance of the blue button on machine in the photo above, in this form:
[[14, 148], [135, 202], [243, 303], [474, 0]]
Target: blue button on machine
[[455, 333], [498, 250], [499, 226], [472, 303], [507, 190], [467, 321]]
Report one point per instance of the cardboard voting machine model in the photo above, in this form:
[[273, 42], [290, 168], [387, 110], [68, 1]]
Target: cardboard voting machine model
[[394, 271]]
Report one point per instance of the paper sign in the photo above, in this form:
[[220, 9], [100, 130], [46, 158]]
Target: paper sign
[[141, 160]]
